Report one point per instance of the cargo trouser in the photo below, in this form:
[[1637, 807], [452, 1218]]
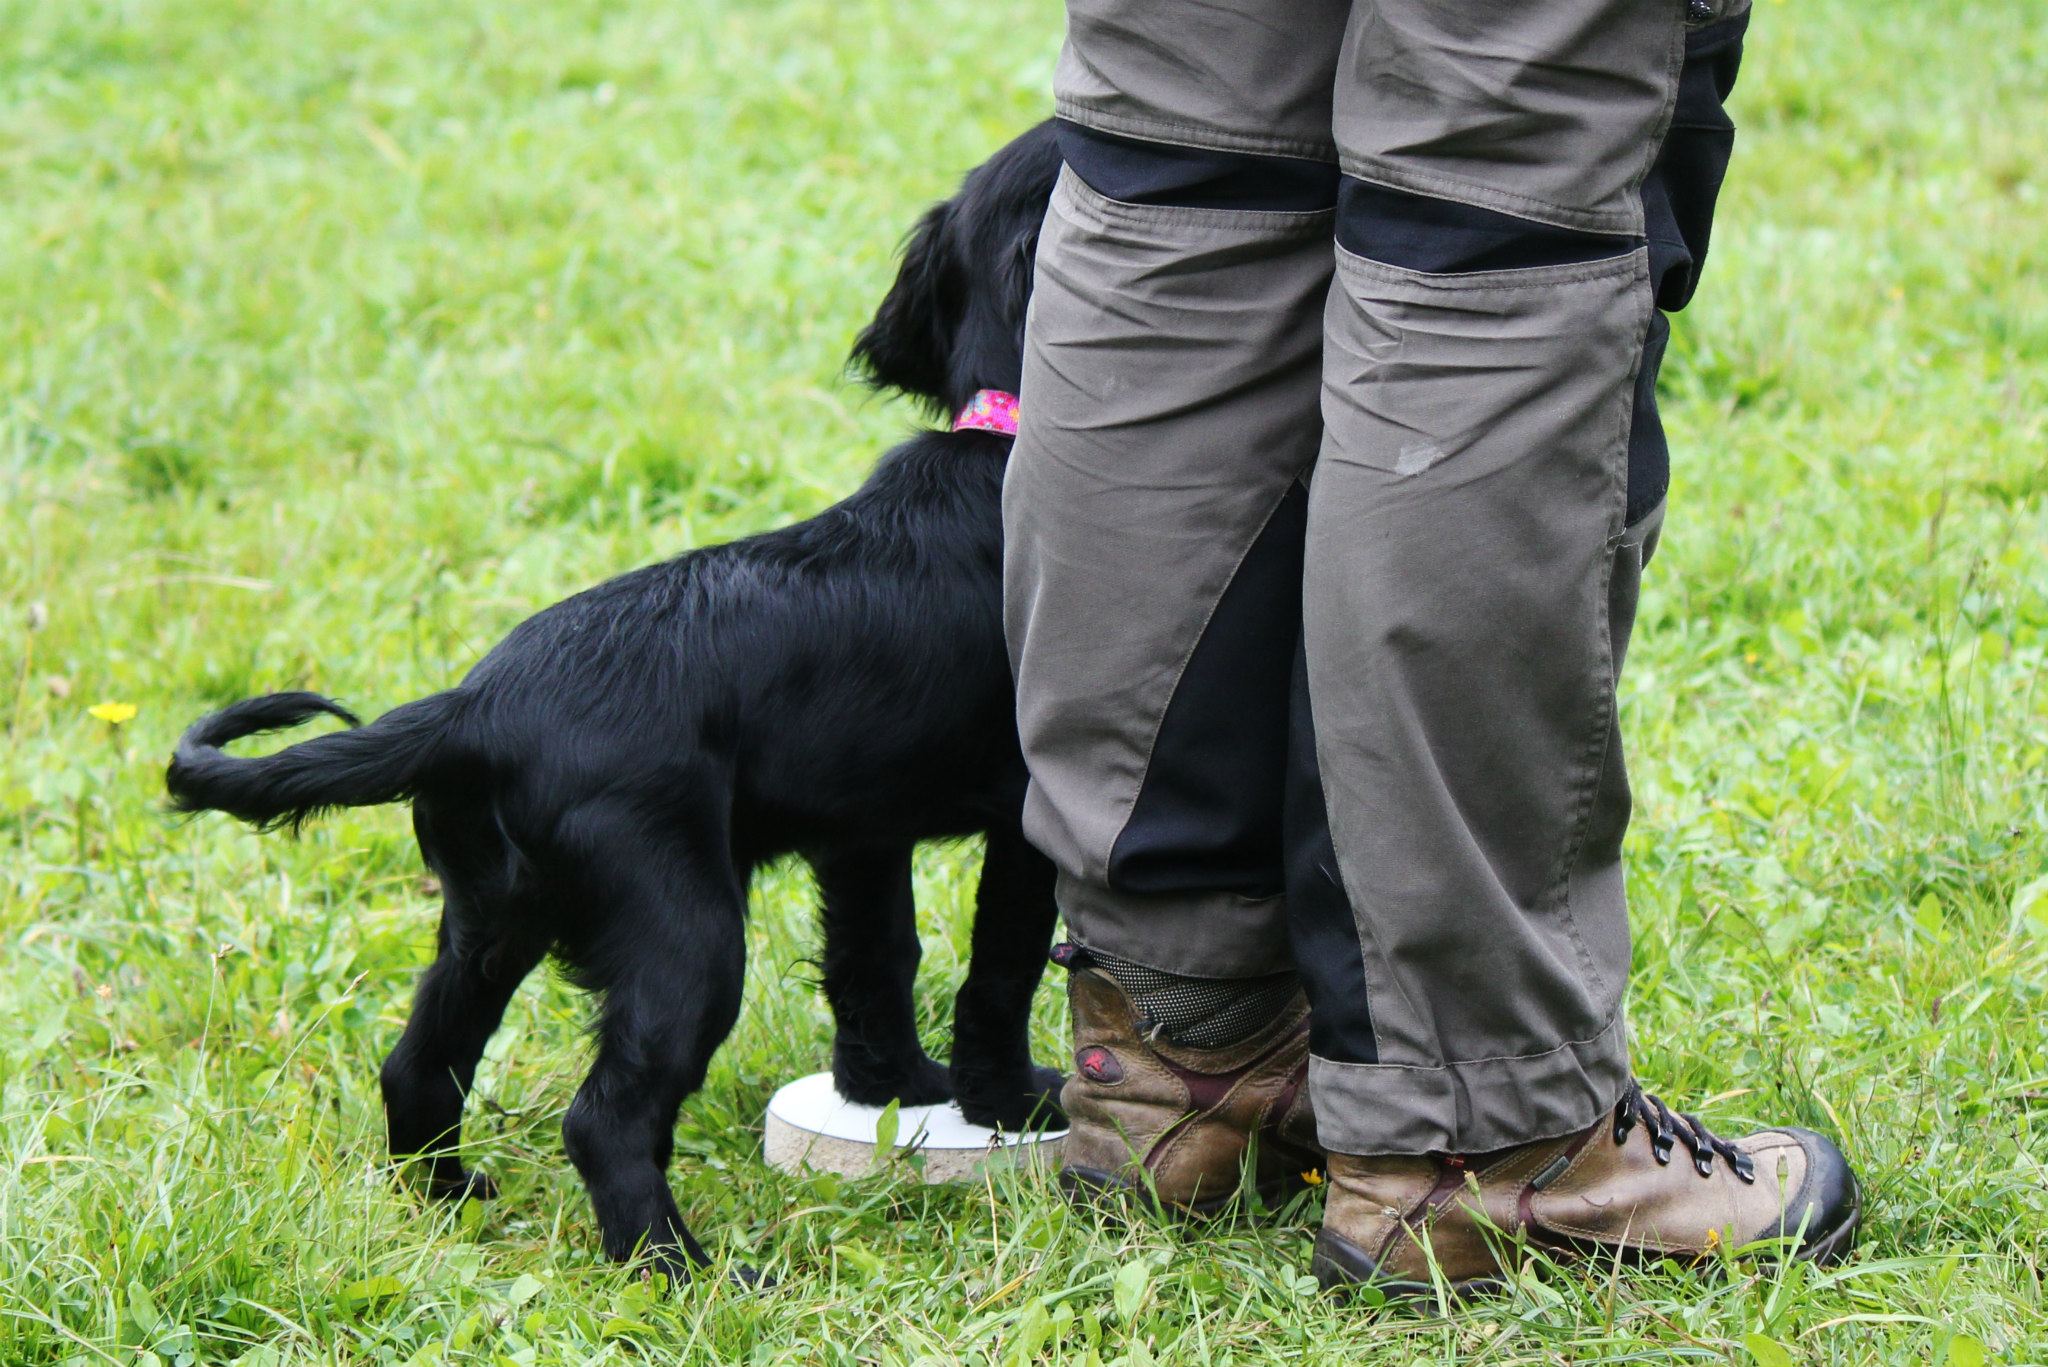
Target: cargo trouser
[[1338, 469]]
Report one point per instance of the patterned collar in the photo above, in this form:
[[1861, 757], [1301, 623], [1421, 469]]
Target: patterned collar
[[990, 410]]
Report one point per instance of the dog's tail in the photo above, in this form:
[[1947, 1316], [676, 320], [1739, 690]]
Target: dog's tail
[[382, 762]]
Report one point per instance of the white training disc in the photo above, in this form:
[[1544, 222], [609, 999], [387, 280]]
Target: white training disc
[[811, 1126]]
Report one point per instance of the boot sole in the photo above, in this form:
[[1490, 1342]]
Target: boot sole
[[1834, 1246], [1094, 1189], [1337, 1262]]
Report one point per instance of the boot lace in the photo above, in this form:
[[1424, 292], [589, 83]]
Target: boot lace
[[1667, 1127]]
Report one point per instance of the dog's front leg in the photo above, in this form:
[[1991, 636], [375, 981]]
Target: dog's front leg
[[993, 1076], [871, 958]]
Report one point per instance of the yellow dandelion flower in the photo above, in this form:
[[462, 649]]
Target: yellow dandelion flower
[[1313, 1177], [112, 713]]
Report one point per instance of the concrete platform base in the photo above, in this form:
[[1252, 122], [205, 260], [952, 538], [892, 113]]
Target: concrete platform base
[[811, 1126]]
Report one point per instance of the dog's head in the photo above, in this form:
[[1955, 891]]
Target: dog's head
[[954, 320]]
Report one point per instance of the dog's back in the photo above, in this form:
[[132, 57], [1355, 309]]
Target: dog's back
[[845, 676]]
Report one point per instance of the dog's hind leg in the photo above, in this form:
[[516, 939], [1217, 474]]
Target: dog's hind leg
[[669, 960], [993, 1075], [871, 957], [459, 1003]]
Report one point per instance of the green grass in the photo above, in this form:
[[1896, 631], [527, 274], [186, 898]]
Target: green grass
[[336, 338]]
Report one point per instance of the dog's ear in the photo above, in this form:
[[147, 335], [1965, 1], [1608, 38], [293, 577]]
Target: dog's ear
[[1021, 275], [905, 346]]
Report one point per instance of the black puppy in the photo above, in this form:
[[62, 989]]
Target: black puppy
[[603, 785]]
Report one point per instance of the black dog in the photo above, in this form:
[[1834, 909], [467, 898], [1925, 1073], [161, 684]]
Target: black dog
[[604, 783]]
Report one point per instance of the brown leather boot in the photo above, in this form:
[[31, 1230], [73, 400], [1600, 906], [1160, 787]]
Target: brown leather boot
[[1617, 1188], [1174, 1121]]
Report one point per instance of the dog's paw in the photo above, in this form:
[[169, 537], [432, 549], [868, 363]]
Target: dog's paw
[[469, 1185], [1045, 1112], [680, 1269], [750, 1278], [1014, 1105], [921, 1082], [671, 1265], [930, 1084]]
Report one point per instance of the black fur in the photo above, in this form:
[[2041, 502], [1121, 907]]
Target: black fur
[[604, 783]]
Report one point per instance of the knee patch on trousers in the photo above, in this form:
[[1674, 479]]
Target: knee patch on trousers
[[1208, 812], [1443, 237], [1169, 175]]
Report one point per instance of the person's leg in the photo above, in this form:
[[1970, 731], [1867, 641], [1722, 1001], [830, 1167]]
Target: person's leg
[[1476, 535], [1483, 335], [1153, 512]]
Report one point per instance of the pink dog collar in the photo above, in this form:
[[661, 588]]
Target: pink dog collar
[[990, 410]]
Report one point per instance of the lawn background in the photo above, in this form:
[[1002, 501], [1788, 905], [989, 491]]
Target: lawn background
[[335, 338]]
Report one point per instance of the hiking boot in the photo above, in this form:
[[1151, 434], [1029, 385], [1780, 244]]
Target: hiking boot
[[1175, 1077], [1643, 1184]]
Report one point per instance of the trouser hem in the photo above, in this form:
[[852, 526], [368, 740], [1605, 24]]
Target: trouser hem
[[1372, 1109], [1193, 934]]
